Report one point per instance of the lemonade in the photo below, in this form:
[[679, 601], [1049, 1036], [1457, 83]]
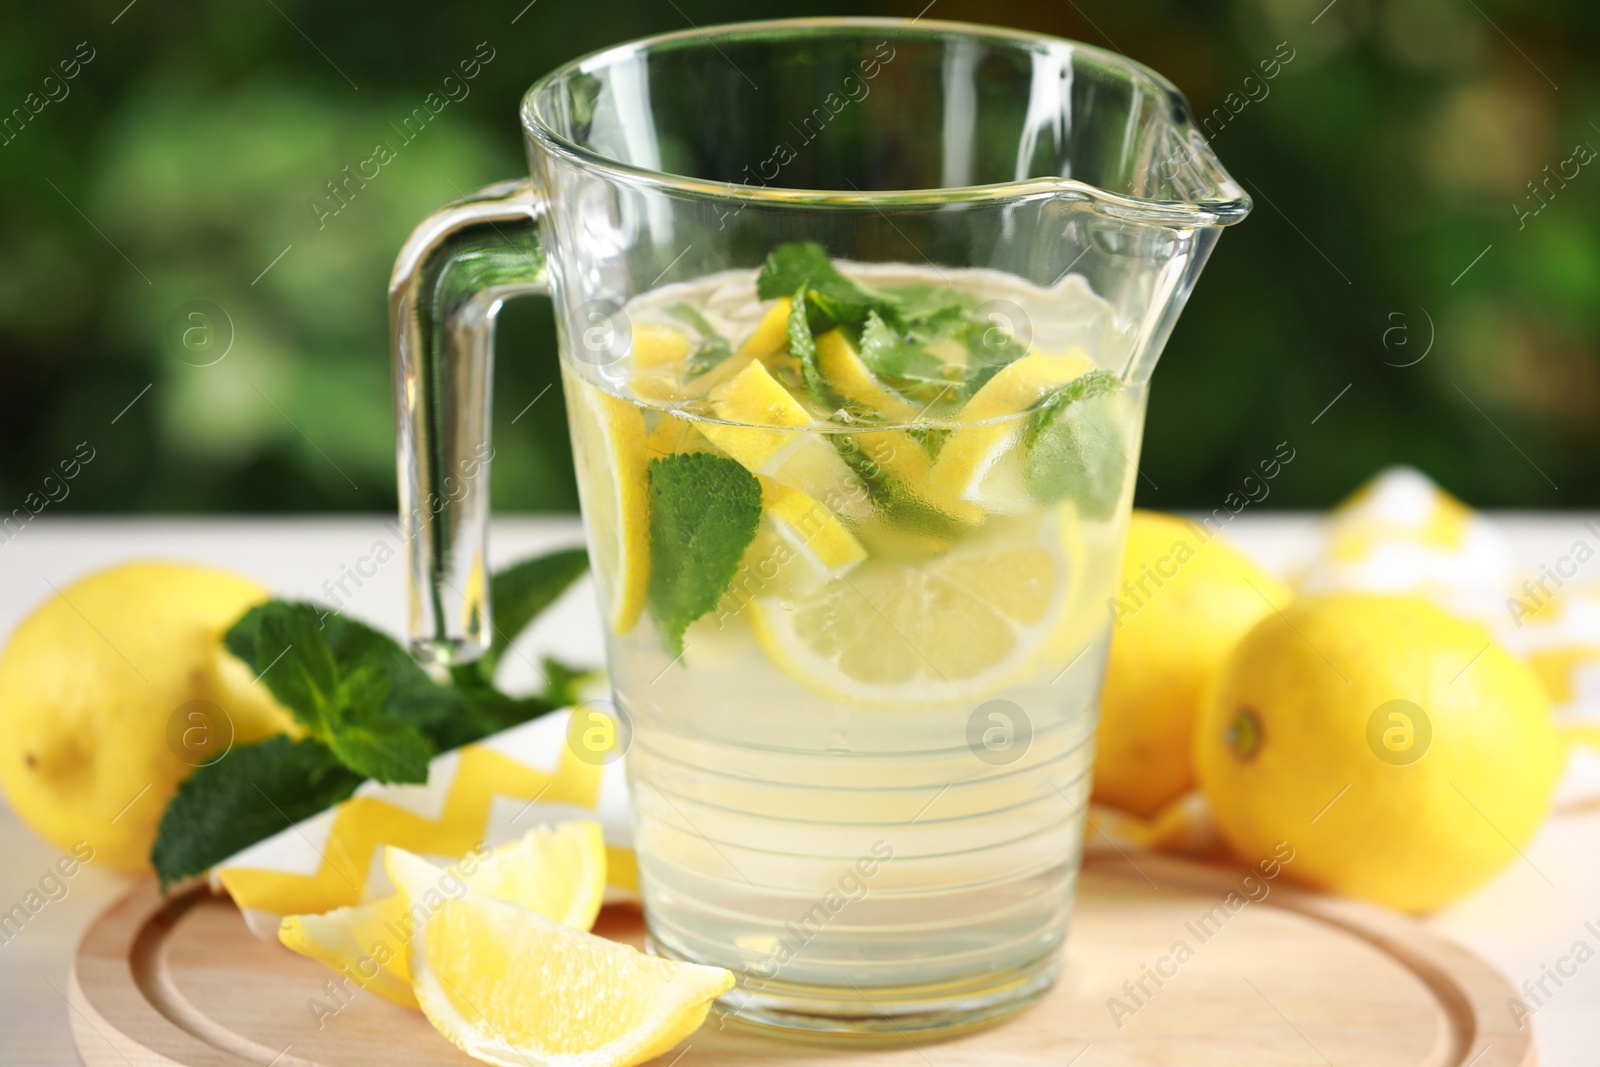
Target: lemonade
[[855, 528]]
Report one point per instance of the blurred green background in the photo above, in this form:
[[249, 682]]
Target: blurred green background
[[1421, 171]]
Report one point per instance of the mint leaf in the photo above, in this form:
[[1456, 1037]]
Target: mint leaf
[[933, 312], [710, 348], [690, 314], [888, 356], [370, 709], [1075, 446], [923, 311], [521, 592], [704, 510], [897, 324], [382, 748], [989, 348], [833, 299], [803, 347], [486, 710], [339, 677], [251, 794], [266, 638]]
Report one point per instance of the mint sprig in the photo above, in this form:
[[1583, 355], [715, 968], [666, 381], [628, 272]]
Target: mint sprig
[[351, 687], [369, 711], [704, 510], [896, 326]]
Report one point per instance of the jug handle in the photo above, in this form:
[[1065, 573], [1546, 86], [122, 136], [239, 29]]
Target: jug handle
[[450, 279]]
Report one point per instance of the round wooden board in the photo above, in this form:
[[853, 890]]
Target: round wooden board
[[1290, 978]]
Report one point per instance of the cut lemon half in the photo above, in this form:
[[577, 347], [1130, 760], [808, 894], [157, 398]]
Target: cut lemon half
[[775, 438], [948, 630], [509, 986], [983, 463], [559, 872], [608, 445]]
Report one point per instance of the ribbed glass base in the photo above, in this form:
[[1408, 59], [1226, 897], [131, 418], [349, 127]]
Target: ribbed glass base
[[853, 1012]]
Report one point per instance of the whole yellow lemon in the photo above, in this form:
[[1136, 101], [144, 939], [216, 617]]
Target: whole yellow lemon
[[1401, 753], [1186, 597], [113, 691]]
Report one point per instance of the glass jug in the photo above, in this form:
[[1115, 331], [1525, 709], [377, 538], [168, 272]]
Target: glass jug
[[856, 321]]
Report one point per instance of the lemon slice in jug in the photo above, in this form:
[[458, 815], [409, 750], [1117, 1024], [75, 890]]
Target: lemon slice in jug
[[608, 445], [942, 630]]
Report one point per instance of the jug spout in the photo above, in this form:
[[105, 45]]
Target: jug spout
[[1186, 174]]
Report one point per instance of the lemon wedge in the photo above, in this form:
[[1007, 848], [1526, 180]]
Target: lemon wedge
[[674, 435], [771, 334], [365, 943], [890, 454], [560, 872], [897, 456], [810, 530], [754, 397], [608, 445], [946, 630], [658, 352], [803, 524], [775, 437], [981, 462], [509, 986], [853, 380], [657, 347]]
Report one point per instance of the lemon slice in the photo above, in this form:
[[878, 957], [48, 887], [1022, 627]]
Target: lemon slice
[[983, 463], [948, 630], [810, 529], [853, 380], [608, 445], [560, 872], [509, 986], [787, 453]]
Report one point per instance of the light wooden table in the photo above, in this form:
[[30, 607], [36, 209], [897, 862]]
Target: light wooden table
[[1526, 920]]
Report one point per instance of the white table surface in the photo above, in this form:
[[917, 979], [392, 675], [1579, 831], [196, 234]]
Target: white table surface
[[1523, 921]]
